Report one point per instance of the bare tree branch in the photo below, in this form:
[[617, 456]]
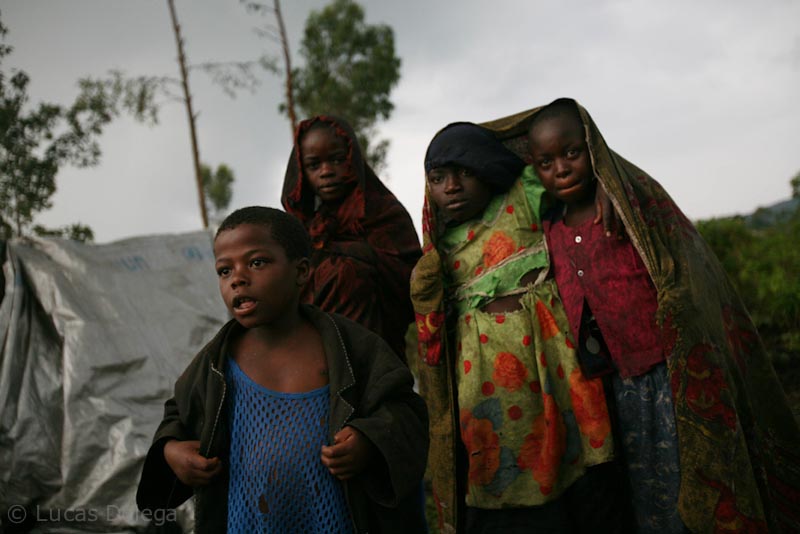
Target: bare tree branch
[[288, 64], [231, 76], [188, 101]]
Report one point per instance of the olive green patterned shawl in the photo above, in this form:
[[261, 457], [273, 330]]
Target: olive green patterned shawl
[[739, 442]]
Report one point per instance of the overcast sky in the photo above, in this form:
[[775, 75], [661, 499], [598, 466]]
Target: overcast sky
[[700, 94]]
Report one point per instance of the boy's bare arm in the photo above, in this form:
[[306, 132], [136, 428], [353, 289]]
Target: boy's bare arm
[[191, 468], [350, 454]]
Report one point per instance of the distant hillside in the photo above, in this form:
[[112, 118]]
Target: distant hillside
[[772, 215]]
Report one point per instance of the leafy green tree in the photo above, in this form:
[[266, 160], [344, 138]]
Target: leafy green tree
[[350, 69], [35, 141], [218, 187], [795, 183], [76, 232]]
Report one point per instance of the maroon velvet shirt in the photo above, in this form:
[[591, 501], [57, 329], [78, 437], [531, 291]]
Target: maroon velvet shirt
[[611, 278]]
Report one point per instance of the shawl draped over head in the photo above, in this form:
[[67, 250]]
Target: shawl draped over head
[[738, 440], [364, 247]]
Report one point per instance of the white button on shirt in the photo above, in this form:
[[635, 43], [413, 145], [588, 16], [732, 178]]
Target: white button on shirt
[[580, 272], [577, 239]]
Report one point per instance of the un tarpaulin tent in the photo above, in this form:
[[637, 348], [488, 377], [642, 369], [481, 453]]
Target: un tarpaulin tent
[[93, 338]]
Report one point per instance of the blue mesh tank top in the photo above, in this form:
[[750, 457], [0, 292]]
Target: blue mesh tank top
[[278, 484]]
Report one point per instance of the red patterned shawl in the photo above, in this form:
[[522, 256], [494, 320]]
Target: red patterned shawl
[[364, 248]]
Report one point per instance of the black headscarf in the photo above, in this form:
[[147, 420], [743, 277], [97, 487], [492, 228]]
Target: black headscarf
[[477, 149]]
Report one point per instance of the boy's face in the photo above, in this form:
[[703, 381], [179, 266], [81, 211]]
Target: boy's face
[[458, 193], [258, 283], [325, 166], [561, 159]]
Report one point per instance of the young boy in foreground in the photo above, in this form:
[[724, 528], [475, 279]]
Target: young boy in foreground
[[290, 419]]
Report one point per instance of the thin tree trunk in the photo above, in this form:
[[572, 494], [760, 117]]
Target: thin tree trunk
[[17, 215], [288, 63], [188, 99]]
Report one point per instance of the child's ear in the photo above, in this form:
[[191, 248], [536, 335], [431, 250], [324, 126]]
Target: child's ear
[[304, 269]]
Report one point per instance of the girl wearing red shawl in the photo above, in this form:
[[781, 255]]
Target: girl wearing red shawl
[[364, 241]]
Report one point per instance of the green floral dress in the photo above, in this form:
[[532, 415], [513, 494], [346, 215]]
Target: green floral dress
[[531, 423]]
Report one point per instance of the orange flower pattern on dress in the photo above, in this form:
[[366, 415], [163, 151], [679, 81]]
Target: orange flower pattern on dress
[[483, 448], [509, 372], [546, 321], [515, 419], [544, 446], [589, 406], [497, 248]]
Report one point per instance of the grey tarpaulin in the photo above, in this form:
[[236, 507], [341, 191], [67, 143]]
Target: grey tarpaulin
[[93, 338]]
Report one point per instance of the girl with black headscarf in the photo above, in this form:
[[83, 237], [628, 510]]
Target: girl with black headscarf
[[518, 434]]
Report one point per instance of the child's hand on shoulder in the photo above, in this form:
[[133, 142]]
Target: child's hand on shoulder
[[349, 455], [189, 465], [605, 213]]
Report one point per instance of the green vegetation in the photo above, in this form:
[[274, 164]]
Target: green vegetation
[[218, 187], [35, 141], [763, 261], [761, 256], [350, 68]]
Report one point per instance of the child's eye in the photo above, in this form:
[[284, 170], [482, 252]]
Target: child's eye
[[223, 271], [259, 262], [465, 173], [572, 152], [544, 163], [311, 165], [435, 178]]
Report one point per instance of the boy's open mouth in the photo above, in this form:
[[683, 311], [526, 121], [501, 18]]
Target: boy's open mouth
[[243, 303]]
